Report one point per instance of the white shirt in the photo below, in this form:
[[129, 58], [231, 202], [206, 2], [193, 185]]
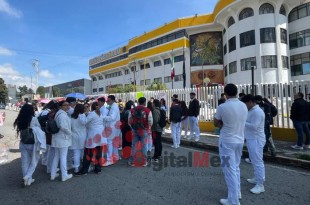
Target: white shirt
[[78, 129], [63, 137], [233, 113], [255, 123], [94, 127]]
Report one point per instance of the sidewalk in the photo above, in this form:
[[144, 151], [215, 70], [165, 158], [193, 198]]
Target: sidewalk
[[285, 155]]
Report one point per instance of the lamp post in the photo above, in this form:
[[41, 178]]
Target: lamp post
[[252, 76]]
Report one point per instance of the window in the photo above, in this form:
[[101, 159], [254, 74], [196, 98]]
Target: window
[[126, 72], [100, 77], [147, 82], [231, 21], [94, 90], [232, 44], [267, 35], [225, 70], [300, 64], [283, 35], [100, 89], [247, 38], [282, 10], [167, 79], [178, 58], [233, 67], [266, 9], [284, 61], [157, 63], [178, 78], [224, 31], [247, 63], [299, 12], [94, 79], [146, 65], [246, 13], [300, 39], [158, 80], [167, 61], [269, 62], [225, 49]]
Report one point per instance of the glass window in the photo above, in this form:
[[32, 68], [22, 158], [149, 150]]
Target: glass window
[[126, 72], [231, 21], [94, 90], [157, 63], [307, 37], [300, 39], [100, 89], [178, 78], [246, 13], [266, 9], [178, 58], [232, 44], [158, 80], [269, 62], [284, 61], [167, 61], [305, 58], [94, 79], [233, 67], [282, 10], [225, 70], [247, 38], [283, 35], [179, 34], [224, 31], [167, 79], [302, 11], [247, 63], [267, 35], [171, 37], [293, 41], [225, 49], [100, 77]]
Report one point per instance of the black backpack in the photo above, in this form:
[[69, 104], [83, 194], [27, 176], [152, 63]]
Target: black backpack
[[51, 126], [42, 120], [162, 119], [274, 110]]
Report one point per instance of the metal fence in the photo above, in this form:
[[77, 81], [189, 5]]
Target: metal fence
[[280, 95]]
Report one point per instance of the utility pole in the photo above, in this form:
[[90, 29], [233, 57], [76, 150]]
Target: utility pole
[[35, 65]]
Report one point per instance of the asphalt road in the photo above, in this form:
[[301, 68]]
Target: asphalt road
[[121, 184]]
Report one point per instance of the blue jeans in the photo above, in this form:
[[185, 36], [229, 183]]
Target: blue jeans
[[139, 147], [301, 127]]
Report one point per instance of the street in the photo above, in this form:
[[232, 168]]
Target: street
[[171, 183]]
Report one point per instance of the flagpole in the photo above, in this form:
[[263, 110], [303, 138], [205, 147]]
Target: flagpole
[[144, 74], [172, 68], [184, 72]]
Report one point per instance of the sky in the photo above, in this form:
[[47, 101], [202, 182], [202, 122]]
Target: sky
[[64, 34]]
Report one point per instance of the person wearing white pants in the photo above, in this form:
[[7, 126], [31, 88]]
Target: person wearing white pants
[[184, 118], [61, 141], [231, 117], [175, 123], [255, 140], [193, 113]]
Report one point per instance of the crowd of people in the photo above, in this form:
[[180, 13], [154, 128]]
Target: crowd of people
[[64, 134]]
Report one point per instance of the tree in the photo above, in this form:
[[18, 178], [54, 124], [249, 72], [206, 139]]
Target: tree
[[30, 91], [41, 91], [3, 92], [56, 92], [157, 86], [23, 90]]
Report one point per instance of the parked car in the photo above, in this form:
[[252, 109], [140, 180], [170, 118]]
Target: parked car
[[2, 106]]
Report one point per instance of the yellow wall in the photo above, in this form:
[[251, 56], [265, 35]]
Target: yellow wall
[[282, 134]]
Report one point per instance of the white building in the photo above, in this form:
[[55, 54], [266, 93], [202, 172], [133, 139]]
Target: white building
[[272, 36]]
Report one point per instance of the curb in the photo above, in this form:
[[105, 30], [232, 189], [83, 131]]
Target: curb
[[280, 160]]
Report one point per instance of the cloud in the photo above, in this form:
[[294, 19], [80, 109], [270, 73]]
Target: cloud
[[6, 8], [46, 74], [5, 51], [13, 77]]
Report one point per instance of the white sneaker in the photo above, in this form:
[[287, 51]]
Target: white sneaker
[[196, 140], [28, 181], [258, 189], [108, 163], [239, 195], [225, 202], [69, 176], [297, 147], [173, 146], [53, 177], [252, 181], [248, 160]]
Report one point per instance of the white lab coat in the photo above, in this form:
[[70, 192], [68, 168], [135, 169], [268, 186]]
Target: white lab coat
[[94, 127], [63, 137], [78, 129]]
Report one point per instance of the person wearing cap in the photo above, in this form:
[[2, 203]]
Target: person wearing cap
[[231, 117], [193, 113]]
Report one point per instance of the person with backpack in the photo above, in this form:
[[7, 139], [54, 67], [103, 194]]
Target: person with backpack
[[184, 118], [193, 113], [175, 123], [157, 129], [140, 119], [149, 131], [126, 130], [163, 107]]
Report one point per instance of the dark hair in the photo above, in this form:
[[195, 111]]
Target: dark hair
[[112, 97], [102, 99], [156, 103], [129, 104], [71, 99], [79, 109], [175, 95], [93, 106], [149, 105], [175, 100], [141, 100], [163, 101], [258, 98], [231, 89], [241, 95], [248, 98], [266, 100], [223, 94], [62, 102], [24, 117], [300, 94], [53, 104]]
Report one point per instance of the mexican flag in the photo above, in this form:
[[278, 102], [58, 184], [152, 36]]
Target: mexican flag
[[172, 66]]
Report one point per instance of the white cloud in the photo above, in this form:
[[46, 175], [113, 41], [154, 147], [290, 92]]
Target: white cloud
[[12, 76], [5, 51], [6, 8], [46, 74]]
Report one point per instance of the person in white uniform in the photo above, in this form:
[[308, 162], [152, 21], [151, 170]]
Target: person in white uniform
[[255, 140], [231, 117], [112, 121], [78, 129], [61, 141]]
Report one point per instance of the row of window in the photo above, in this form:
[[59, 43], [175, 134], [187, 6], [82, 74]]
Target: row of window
[[112, 60], [159, 41], [113, 75], [167, 79], [248, 12], [300, 64], [300, 39], [299, 12], [247, 63], [267, 35]]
